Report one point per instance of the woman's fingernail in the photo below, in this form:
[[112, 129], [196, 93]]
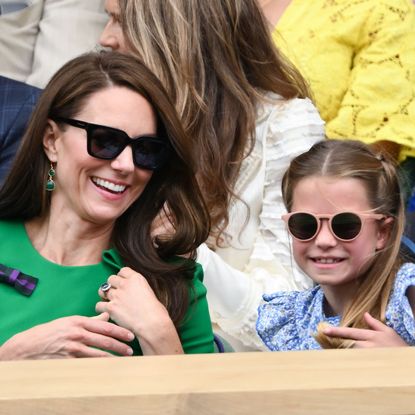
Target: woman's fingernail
[[130, 352]]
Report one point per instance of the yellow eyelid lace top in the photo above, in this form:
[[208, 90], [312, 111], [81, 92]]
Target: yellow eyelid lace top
[[359, 58]]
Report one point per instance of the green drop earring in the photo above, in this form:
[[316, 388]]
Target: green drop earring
[[50, 184]]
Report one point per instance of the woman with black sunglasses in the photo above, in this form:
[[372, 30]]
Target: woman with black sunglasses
[[103, 153]]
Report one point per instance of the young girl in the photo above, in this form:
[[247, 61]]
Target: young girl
[[346, 219]]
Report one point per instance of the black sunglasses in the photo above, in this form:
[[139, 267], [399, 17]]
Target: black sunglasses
[[107, 143], [345, 226]]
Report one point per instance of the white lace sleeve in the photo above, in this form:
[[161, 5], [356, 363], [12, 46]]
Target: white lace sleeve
[[292, 130], [291, 127]]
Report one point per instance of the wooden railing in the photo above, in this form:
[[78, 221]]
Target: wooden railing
[[336, 382]]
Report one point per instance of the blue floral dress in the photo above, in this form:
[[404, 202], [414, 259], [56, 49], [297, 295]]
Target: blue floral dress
[[287, 320]]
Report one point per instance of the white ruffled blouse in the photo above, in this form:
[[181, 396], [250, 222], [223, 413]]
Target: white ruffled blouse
[[256, 258]]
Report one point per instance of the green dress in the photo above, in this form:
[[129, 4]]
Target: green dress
[[71, 290]]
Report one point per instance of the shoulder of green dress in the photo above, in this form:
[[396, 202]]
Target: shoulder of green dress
[[198, 272], [196, 286], [189, 264], [199, 289], [192, 266], [113, 258], [10, 225]]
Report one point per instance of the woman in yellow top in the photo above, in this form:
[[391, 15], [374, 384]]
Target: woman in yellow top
[[359, 58]]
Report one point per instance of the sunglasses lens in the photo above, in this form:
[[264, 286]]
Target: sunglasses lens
[[150, 152], [346, 225], [302, 226], [105, 144]]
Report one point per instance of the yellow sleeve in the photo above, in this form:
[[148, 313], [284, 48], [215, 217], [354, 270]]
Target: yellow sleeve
[[379, 103]]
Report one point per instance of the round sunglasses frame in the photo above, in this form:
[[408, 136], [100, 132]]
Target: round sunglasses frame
[[327, 216]]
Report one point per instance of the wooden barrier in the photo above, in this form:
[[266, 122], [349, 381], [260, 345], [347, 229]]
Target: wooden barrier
[[335, 382]]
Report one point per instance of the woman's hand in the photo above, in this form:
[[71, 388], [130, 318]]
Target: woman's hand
[[68, 337], [378, 334], [132, 304]]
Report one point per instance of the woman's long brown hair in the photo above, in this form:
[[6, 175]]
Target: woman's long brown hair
[[216, 59]]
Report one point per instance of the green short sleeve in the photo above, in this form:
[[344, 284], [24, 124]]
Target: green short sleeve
[[196, 330]]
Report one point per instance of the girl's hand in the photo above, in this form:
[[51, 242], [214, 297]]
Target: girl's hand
[[132, 304], [378, 334], [69, 337]]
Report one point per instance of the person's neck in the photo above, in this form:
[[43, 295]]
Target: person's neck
[[67, 240], [273, 9], [338, 297]]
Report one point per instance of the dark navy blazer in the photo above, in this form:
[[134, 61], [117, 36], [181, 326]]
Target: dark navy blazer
[[17, 101]]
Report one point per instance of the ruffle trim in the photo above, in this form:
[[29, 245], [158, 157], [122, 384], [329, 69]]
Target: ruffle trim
[[292, 127], [287, 128], [242, 324], [277, 319], [399, 311]]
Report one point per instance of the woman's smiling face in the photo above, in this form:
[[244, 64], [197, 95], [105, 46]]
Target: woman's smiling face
[[95, 190]]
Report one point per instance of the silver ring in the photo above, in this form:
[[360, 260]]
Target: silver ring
[[106, 286]]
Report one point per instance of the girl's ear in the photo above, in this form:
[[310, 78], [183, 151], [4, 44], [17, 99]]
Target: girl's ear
[[50, 137], [383, 234]]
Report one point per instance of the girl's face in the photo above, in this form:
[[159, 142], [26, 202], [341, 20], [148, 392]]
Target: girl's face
[[327, 260], [113, 36], [91, 189]]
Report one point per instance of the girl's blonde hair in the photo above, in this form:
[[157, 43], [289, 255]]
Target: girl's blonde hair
[[353, 159], [216, 58]]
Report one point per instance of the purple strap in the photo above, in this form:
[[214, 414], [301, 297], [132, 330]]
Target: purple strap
[[23, 283], [13, 277]]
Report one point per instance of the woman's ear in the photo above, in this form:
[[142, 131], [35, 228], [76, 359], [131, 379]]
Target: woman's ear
[[50, 137], [383, 234]]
